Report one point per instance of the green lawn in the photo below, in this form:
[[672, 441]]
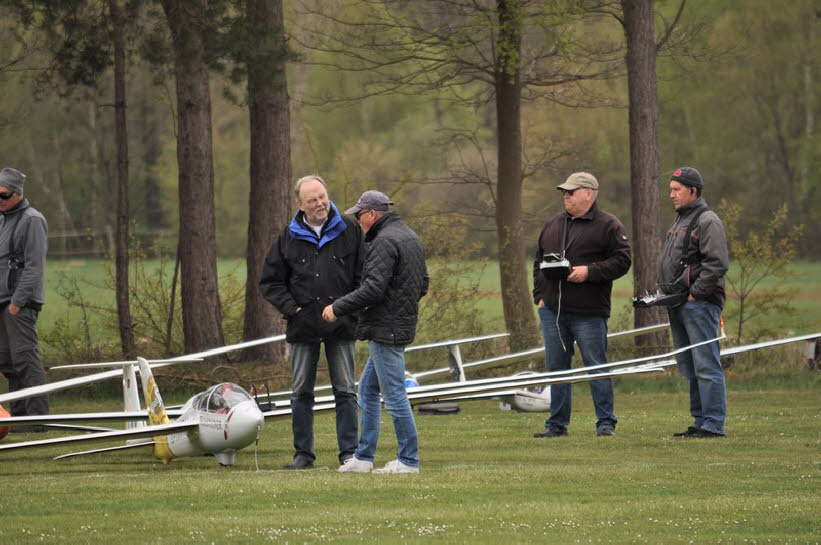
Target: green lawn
[[483, 479]]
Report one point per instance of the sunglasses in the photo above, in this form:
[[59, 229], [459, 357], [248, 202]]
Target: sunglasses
[[569, 192], [7, 196], [359, 214]]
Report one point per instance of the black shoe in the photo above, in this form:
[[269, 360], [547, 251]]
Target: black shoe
[[550, 432], [299, 462], [605, 431], [691, 431], [697, 433], [704, 434]]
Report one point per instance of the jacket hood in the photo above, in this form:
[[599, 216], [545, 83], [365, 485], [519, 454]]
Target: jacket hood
[[332, 228]]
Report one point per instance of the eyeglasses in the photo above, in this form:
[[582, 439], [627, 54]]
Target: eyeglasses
[[7, 196], [359, 214], [568, 192]]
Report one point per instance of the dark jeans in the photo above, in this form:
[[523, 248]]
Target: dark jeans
[[304, 359], [20, 359], [590, 333], [694, 322]]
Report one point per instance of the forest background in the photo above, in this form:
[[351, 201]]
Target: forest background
[[737, 87]]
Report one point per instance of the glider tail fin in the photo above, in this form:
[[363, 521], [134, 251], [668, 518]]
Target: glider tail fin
[[156, 411]]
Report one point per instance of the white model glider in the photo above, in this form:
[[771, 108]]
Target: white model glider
[[203, 428]]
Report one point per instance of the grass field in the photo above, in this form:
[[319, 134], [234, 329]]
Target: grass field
[[483, 479]]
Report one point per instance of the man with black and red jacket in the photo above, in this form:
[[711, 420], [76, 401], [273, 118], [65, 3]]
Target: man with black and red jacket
[[581, 252], [316, 260], [693, 263]]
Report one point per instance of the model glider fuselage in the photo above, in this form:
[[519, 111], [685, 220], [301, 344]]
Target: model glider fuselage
[[228, 420]]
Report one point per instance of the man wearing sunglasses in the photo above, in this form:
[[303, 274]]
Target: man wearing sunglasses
[[23, 245], [581, 252], [315, 260]]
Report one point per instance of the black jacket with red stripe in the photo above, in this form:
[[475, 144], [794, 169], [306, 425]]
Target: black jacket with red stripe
[[598, 240]]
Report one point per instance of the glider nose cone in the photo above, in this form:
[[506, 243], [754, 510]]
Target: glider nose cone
[[244, 425]]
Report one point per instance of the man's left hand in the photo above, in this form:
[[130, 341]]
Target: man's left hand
[[328, 313], [578, 274], [13, 309]]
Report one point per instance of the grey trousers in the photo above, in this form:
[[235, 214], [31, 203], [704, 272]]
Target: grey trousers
[[20, 359]]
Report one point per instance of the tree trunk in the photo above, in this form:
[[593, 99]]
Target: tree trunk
[[155, 216], [516, 297], [270, 172], [201, 314], [644, 160], [123, 214]]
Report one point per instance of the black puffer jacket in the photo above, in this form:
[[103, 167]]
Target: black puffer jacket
[[303, 271], [394, 279]]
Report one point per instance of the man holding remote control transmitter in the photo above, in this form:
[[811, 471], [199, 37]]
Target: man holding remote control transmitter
[[694, 261], [581, 252]]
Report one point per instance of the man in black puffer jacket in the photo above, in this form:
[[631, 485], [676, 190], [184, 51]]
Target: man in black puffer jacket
[[394, 279], [316, 259]]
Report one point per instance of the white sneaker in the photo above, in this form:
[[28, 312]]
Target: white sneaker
[[397, 467], [355, 465]]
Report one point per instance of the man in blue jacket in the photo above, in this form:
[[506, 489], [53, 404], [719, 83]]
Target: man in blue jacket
[[314, 261]]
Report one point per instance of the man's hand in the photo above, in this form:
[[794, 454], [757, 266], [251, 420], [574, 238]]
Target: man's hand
[[328, 313], [13, 309], [578, 274], [540, 304]]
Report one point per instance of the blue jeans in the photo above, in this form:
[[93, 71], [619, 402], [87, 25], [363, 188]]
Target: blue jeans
[[304, 359], [385, 373], [590, 333], [693, 322]]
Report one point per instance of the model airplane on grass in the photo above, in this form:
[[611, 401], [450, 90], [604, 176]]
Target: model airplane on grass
[[218, 421], [206, 424]]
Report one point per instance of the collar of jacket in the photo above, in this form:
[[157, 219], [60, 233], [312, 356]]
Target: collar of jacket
[[22, 205], [390, 217], [332, 228], [589, 215], [689, 207]]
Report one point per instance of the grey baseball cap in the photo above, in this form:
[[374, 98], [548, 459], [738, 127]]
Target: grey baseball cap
[[371, 200], [12, 179], [579, 180]]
